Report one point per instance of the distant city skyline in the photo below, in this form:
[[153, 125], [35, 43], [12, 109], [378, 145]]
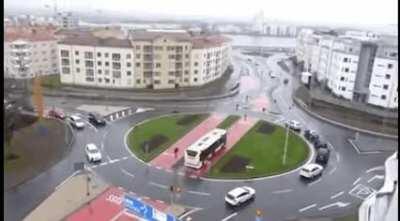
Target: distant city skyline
[[340, 12]]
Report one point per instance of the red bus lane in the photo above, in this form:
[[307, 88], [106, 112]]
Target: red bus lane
[[169, 157], [235, 132]]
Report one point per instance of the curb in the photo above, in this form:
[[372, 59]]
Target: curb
[[175, 99], [303, 106]]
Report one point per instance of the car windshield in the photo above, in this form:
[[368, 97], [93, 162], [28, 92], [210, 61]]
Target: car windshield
[[93, 151], [191, 153], [230, 196]]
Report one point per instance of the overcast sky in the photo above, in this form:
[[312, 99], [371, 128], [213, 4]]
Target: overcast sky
[[322, 11]]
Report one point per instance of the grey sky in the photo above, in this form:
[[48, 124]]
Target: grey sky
[[325, 11]]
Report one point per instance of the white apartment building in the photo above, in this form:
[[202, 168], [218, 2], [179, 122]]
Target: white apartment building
[[148, 59], [29, 52], [67, 20], [351, 67]]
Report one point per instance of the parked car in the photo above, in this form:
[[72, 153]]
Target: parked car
[[239, 195], [311, 170], [92, 153], [96, 120], [322, 156], [311, 135], [319, 144], [76, 122], [294, 125], [57, 114]]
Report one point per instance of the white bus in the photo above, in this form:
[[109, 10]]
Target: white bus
[[205, 147]]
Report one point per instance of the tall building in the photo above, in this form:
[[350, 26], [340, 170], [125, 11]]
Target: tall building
[[67, 20], [30, 51], [148, 59], [357, 67]]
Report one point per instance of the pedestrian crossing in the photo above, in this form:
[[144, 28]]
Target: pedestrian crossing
[[125, 113]]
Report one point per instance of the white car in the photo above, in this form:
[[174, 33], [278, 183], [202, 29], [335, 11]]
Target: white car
[[76, 122], [311, 170], [294, 125], [92, 153], [240, 195]]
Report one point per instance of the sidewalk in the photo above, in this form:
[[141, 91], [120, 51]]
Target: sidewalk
[[66, 199], [167, 159]]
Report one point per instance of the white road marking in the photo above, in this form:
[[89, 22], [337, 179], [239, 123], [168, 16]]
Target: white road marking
[[190, 212], [282, 191], [104, 163], [158, 185], [108, 158], [307, 207], [338, 204], [337, 157], [337, 195], [357, 180], [114, 161], [124, 158], [229, 217], [314, 182], [375, 169], [127, 173], [198, 193], [379, 177], [333, 170]]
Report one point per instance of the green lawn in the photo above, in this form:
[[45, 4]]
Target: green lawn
[[348, 218], [165, 126], [228, 122], [51, 81], [265, 153]]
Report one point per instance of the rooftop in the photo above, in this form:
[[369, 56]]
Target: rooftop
[[30, 33], [89, 39]]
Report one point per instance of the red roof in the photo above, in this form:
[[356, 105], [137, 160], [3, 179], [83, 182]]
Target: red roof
[[32, 33], [209, 41]]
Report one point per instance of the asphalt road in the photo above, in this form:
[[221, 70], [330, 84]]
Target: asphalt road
[[348, 178]]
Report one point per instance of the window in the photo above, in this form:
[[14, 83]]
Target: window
[[116, 65], [88, 55], [137, 81], [99, 71], [171, 73], [390, 66], [65, 61], [195, 79], [78, 70], [64, 53], [343, 88], [137, 47], [117, 74], [186, 55], [107, 63], [137, 64], [65, 70], [156, 81], [385, 86], [171, 81], [128, 64], [341, 78], [99, 80], [76, 61], [186, 72], [137, 56], [107, 72], [116, 57], [98, 54], [383, 97], [345, 60], [158, 48], [387, 76], [88, 63], [128, 73], [107, 80], [89, 79], [346, 70], [128, 56], [171, 56], [158, 65], [99, 63], [76, 53], [106, 55], [196, 71], [186, 80], [89, 72], [196, 64]]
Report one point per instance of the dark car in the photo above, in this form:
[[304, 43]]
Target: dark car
[[311, 135], [96, 119], [322, 156]]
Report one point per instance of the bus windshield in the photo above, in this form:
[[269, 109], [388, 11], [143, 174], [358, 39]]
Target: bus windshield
[[191, 153]]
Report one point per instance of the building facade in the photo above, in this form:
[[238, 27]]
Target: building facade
[[148, 59], [357, 67], [30, 52]]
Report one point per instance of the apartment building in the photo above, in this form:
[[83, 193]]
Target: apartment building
[[30, 51], [353, 67], [153, 59]]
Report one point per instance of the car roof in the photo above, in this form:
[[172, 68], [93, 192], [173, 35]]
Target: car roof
[[237, 191], [74, 116], [311, 166], [91, 146]]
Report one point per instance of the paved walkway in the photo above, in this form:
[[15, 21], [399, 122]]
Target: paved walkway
[[235, 132], [259, 103], [66, 199], [167, 159]]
